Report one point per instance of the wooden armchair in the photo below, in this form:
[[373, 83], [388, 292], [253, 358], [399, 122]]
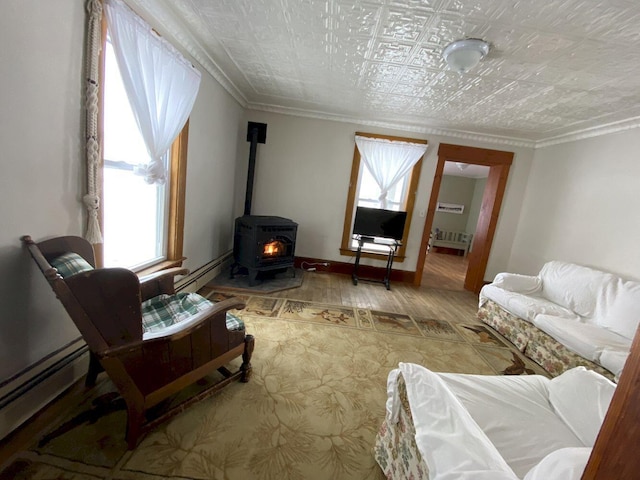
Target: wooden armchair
[[106, 305]]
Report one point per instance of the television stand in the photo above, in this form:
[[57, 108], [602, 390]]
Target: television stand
[[390, 245]]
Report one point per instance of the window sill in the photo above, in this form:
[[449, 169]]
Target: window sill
[[161, 266]]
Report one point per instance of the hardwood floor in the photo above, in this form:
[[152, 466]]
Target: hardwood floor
[[444, 271], [23, 437], [455, 305], [424, 301]]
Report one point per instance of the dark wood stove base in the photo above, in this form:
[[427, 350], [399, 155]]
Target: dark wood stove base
[[254, 274]]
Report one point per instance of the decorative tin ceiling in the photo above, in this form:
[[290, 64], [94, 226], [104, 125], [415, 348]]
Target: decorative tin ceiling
[[556, 70]]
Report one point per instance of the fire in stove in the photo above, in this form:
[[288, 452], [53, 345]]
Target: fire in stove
[[273, 248]]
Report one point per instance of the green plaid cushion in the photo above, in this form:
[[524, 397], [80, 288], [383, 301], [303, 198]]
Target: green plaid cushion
[[166, 310], [234, 323], [69, 264]]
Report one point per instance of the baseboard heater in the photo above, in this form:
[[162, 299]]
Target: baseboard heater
[[27, 392], [203, 275]]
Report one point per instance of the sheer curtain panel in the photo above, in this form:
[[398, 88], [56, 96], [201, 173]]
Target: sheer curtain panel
[[160, 83], [388, 161]]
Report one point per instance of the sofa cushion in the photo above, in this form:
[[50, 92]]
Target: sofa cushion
[[523, 306], [613, 359], [515, 282], [620, 311], [581, 398], [515, 414], [565, 463], [574, 287], [585, 339]]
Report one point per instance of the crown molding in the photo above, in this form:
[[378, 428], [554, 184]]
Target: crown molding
[[408, 127], [160, 14], [605, 129]]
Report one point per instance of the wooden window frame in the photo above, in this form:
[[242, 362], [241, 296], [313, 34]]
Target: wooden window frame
[[177, 186], [177, 194], [345, 247]]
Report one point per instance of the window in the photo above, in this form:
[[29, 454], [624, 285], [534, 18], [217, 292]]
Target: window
[[364, 191], [368, 191], [142, 223], [125, 194]]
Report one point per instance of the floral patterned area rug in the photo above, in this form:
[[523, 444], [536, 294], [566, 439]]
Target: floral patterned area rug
[[310, 412], [497, 352]]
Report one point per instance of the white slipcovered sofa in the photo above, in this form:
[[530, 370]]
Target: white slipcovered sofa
[[567, 315], [445, 426]]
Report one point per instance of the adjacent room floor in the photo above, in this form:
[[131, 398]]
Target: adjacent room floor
[[444, 271]]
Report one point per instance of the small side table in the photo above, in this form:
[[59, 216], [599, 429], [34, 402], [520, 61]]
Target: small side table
[[389, 243]]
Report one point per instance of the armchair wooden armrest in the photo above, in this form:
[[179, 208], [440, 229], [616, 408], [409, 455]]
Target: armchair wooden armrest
[[215, 315], [161, 282]]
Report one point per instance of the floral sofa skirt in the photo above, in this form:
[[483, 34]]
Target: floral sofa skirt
[[540, 347], [396, 451]]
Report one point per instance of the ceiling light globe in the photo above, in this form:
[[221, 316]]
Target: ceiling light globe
[[463, 55]]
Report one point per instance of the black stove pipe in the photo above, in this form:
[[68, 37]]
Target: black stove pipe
[[256, 133]]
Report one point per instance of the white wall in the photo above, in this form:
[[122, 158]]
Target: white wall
[[215, 127], [476, 204], [42, 181], [582, 205], [457, 190], [303, 171]]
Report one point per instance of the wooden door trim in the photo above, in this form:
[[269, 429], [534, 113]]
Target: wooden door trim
[[614, 453], [486, 227], [499, 163]]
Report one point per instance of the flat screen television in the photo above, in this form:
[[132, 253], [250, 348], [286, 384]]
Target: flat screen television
[[377, 222]]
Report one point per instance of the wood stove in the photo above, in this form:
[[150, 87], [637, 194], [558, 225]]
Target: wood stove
[[261, 243], [264, 243]]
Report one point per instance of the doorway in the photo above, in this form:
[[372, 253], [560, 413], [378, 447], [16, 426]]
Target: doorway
[[498, 162], [454, 225]]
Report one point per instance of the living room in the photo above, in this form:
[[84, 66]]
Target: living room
[[572, 197]]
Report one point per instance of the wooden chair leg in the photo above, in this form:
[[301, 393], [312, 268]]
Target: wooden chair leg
[[94, 369], [135, 421], [246, 368]]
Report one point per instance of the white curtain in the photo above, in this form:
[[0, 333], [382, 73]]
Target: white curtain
[[160, 83], [388, 161]]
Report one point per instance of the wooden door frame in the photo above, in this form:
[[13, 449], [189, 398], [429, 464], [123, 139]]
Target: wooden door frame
[[614, 453], [499, 163]]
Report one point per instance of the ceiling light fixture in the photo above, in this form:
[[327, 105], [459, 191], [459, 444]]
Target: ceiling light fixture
[[461, 166], [462, 55]]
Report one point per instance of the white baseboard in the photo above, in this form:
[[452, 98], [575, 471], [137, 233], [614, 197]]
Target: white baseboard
[[203, 275], [31, 390]]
